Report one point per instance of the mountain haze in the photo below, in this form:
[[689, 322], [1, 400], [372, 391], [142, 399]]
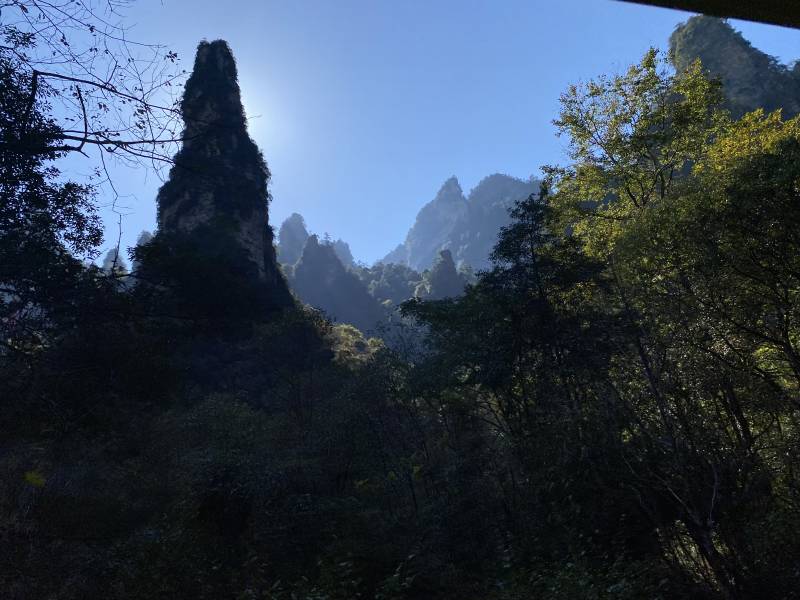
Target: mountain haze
[[321, 280], [468, 226]]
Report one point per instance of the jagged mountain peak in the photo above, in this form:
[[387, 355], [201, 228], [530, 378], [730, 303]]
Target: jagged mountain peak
[[494, 183], [292, 237], [751, 79], [321, 280], [467, 225], [216, 195], [211, 98], [450, 190]]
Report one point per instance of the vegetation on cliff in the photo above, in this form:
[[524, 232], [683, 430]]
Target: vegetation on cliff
[[608, 410]]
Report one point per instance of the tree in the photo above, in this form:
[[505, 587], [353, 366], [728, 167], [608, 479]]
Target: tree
[[521, 351], [46, 224], [630, 138], [110, 93], [634, 345], [682, 207]]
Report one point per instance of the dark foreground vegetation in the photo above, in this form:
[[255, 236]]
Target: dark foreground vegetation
[[611, 410]]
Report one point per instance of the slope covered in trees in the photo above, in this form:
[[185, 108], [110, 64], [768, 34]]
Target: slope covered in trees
[[323, 275], [611, 410], [644, 366]]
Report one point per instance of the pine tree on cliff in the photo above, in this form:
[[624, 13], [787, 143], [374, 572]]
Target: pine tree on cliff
[[214, 246]]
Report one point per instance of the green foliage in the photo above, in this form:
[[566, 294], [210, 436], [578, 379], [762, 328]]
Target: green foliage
[[44, 223], [201, 274], [631, 137], [38, 208], [610, 411], [390, 282], [351, 348], [639, 365]]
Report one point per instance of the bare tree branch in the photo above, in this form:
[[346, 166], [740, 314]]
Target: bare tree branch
[[81, 62]]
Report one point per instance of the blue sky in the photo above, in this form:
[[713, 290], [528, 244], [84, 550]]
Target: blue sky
[[364, 108]]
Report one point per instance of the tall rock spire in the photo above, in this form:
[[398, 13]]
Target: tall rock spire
[[217, 194]]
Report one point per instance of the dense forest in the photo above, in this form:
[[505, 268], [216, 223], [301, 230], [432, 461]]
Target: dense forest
[[586, 386]]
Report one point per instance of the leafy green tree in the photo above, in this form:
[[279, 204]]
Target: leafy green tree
[[634, 342], [658, 191], [46, 224], [631, 137]]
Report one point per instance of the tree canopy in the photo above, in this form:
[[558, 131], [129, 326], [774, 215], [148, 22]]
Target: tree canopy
[[610, 409]]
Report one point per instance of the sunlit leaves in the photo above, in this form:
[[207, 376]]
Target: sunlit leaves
[[630, 137]]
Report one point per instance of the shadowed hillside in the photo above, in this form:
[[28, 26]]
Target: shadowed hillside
[[608, 409], [750, 78]]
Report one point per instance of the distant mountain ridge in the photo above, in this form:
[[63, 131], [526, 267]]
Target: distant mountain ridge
[[292, 238], [467, 226]]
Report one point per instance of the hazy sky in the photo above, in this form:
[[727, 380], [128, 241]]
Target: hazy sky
[[364, 108]]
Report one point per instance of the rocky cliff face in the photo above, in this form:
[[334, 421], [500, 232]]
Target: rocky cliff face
[[218, 184], [322, 281], [292, 238], [467, 226], [434, 224], [475, 234], [750, 78]]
